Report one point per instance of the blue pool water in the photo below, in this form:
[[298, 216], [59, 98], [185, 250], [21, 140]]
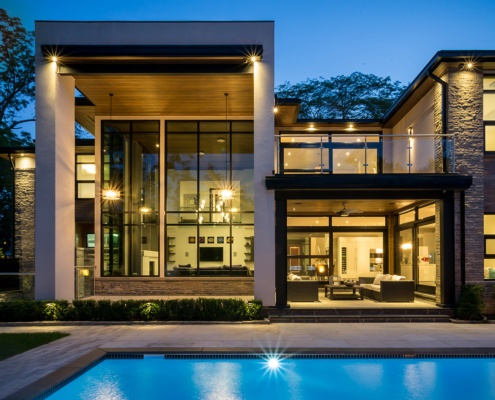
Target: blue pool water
[[156, 377]]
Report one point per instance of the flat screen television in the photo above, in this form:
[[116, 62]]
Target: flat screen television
[[211, 254]]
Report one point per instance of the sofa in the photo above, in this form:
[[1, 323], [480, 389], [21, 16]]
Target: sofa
[[302, 290], [386, 287]]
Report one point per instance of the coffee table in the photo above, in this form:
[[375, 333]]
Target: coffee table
[[330, 289]]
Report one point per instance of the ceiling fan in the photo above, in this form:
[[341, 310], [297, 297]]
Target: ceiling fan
[[345, 212]]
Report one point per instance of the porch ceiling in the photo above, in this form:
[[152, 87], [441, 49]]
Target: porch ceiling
[[185, 95]]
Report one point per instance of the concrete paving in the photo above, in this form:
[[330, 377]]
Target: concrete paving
[[23, 369]]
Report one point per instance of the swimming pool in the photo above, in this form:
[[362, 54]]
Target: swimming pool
[[231, 376]]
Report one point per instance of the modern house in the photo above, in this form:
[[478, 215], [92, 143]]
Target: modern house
[[200, 182]]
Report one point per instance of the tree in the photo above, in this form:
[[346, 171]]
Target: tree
[[16, 93], [16, 75], [357, 96]]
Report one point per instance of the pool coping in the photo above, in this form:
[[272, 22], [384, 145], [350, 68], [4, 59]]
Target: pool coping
[[47, 385]]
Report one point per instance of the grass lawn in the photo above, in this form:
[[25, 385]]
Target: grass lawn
[[12, 344]]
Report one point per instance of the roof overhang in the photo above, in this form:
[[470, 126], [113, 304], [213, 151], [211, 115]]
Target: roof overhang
[[438, 66], [83, 59], [156, 80]]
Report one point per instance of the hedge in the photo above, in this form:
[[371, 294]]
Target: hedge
[[199, 309]]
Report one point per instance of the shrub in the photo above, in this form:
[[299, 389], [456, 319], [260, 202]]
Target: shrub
[[55, 310], [200, 309], [471, 303]]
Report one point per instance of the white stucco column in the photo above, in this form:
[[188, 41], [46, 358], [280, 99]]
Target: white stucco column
[[55, 191], [264, 204]]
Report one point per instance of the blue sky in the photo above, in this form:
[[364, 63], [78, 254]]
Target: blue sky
[[313, 38]]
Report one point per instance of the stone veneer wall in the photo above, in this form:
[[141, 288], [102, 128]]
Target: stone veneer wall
[[24, 183], [193, 287], [465, 116]]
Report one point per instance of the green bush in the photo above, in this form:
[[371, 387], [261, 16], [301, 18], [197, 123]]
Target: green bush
[[471, 303], [200, 309], [55, 310]]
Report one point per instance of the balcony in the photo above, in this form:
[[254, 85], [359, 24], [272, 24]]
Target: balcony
[[364, 153]]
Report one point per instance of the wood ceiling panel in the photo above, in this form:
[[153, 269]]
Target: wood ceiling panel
[[172, 95], [331, 206]]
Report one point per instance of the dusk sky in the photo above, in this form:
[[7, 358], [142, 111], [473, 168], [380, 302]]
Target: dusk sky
[[313, 38]]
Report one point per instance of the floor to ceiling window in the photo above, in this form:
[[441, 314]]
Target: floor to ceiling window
[[418, 247], [209, 198], [348, 247], [130, 198]]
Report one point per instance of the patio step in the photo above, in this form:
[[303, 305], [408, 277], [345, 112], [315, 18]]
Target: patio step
[[360, 315]]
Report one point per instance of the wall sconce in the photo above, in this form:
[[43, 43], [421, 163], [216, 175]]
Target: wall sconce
[[410, 131], [84, 272], [110, 194]]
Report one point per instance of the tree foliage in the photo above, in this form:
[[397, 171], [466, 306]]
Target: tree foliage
[[16, 93], [16, 74], [357, 96]]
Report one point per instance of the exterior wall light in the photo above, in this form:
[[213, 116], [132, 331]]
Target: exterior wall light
[[410, 131], [275, 110], [54, 59]]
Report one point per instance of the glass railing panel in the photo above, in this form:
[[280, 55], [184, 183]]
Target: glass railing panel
[[373, 154], [309, 159]]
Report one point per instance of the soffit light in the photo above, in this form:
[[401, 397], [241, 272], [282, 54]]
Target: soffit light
[[311, 128]]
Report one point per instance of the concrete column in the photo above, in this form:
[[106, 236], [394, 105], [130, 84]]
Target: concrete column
[[264, 201], [55, 191]]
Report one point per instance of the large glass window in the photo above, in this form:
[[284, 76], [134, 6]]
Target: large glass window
[[489, 237], [417, 247], [307, 254], [210, 198], [489, 111], [358, 254], [489, 137], [130, 198], [85, 176]]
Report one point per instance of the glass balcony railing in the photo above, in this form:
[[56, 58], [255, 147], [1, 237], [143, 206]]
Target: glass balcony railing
[[364, 154]]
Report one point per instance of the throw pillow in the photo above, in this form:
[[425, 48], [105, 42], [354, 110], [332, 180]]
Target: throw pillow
[[378, 278]]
